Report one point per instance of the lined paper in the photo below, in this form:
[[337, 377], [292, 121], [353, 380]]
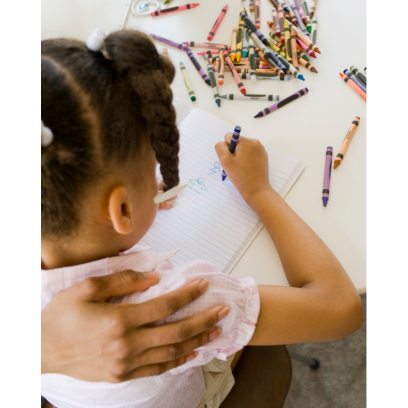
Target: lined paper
[[210, 219]]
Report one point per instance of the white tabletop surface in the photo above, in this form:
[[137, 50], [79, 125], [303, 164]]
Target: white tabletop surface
[[302, 129]]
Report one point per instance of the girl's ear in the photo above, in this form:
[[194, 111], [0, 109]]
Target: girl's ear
[[120, 210]]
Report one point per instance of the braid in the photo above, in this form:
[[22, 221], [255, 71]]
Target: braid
[[150, 78]]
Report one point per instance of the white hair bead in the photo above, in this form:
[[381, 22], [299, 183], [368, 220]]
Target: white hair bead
[[95, 40], [46, 135]]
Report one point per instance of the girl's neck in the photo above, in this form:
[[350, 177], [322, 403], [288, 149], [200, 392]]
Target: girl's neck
[[80, 250]]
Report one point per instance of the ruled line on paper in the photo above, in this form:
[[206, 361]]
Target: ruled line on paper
[[210, 219]]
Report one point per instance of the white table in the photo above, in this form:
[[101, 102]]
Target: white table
[[303, 129]]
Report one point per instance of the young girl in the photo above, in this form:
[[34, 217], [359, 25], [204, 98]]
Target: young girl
[[107, 120]]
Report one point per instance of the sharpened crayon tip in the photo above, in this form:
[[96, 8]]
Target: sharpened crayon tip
[[185, 42], [224, 177], [300, 76], [336, 163], [243, 91], [325, 200], [258, 115], [207, 81], [345, 70], [209, 38], [317, 50], [223, 96], [218, 102], [313, 69], [193, 98], [309, 29]]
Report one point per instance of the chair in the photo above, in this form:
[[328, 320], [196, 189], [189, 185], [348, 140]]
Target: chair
[[262, 378]]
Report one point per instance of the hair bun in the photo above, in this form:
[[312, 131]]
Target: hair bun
[[133, 51], [95, 40]]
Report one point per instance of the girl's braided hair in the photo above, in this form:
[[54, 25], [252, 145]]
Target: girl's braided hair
[[101, 111]]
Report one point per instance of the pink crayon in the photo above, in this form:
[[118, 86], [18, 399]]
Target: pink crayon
[[217, 23], [209, 52], [174, 9], [305, 48], [301, 11]]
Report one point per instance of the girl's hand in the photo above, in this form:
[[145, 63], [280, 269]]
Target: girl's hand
[[167, 204], [248, 167]]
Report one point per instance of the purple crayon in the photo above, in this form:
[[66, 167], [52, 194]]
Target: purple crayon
[[355, 80], [198, 66], [169, 42], [189, 53], [233, 145], [281, 103], [254, 28], [327, 174]]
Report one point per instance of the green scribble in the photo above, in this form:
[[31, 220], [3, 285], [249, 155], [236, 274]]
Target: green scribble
[[197, 185]]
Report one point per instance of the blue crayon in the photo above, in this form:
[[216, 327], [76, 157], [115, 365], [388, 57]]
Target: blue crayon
[[232, 145]]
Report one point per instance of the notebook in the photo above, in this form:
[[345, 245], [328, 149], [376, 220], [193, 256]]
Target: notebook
[[210, 219]]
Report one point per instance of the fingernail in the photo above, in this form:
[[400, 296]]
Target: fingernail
[[203, 285], [223, 313], [215, 334], [192, 356], [151, 275], [169, 203]]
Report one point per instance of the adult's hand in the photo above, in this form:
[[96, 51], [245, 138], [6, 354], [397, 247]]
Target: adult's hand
[[85, 337]]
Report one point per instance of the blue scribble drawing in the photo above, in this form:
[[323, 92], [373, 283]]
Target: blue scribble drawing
[[216, 168], [197, 185]]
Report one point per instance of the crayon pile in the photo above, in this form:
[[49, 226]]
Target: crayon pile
[[356, 80], [290, 43]]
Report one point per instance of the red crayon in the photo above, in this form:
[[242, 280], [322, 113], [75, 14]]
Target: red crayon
[[217, 23], [234, 73], [174, 9]]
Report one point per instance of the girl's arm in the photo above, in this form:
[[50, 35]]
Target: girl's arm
[[322, 303]]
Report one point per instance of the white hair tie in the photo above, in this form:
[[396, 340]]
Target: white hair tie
[[46, 135], [96, 42]]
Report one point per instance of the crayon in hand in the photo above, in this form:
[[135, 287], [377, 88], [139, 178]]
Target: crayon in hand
[[232, 145]]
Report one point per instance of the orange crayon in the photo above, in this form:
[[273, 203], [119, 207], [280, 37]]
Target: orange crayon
[[353, 86], [346, 141], [293, 43], [221, 67]]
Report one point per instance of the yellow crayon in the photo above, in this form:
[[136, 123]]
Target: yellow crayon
[[190, 89], [234, 43], [293, 45], [288, 44], [240, 38]]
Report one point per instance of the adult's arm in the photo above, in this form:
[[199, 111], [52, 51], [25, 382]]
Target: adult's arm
[[85, 337], [322, 303]]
